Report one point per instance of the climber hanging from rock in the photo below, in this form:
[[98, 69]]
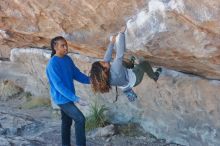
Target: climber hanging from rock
[[103, 75]]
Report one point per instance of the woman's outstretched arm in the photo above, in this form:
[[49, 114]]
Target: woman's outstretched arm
[[108, 53], [120, 46], [120, 50]]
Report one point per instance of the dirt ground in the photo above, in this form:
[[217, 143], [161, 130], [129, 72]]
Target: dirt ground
[[28, 122]]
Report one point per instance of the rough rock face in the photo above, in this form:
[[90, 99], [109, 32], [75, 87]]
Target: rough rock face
[[181, 108], [27, 69], [15, 127], [180, 34], [85, 23]]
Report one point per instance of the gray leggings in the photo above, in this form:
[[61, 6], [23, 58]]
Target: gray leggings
[[140, 69]]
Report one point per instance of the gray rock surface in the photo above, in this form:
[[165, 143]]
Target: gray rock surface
[[41, 127], [180, 108]]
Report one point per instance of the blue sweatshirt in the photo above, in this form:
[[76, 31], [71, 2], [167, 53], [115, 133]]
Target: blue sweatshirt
[[61, 71]]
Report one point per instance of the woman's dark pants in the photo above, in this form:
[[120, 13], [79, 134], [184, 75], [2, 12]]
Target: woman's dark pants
[[70, 112], [140, 69]]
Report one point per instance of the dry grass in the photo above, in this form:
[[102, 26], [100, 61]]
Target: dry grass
[[9, 89], [36, 102]]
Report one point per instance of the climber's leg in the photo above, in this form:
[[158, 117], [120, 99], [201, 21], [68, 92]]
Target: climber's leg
[[139, 73], [146, 67], [129, 63]]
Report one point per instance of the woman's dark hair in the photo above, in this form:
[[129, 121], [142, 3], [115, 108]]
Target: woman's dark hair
[[99, 78], [53, 43]]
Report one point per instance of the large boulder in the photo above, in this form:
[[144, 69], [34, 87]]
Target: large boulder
[[180, 35], [181, 108], [26, 68], [183, 35], [85, 23]]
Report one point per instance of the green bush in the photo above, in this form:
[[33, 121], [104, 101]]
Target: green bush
[[97, 117]]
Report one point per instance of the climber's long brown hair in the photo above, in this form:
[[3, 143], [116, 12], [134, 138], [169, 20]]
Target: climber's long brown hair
[[99, 78]]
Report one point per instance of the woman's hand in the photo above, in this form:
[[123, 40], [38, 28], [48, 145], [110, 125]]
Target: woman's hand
[[123, 29], [82, 102], [113, 38]]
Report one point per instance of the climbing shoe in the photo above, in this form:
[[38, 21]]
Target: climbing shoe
[[131, 95], [157, 74], [129, 63]]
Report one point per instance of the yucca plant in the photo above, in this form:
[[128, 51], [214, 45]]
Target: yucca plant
[[97, 117]]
